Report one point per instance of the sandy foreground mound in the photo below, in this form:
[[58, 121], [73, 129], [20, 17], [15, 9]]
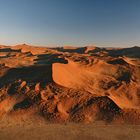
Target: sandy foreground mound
[[68, 84]]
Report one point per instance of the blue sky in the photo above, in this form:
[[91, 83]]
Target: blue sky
[[107, 23]]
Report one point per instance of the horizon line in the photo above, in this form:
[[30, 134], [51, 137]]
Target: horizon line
[[68, 45]]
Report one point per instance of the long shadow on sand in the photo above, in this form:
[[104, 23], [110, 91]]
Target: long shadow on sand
[[40, 72]]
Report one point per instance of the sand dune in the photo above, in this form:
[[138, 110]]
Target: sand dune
[[70, 84], [100, 79]]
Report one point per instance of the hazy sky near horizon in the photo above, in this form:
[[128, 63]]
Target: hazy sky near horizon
[[107, 23]]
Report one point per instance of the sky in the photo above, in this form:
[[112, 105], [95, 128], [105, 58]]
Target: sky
[[104, 23]]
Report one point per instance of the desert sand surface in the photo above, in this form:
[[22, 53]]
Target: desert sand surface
[[68, 131], [69, 92]]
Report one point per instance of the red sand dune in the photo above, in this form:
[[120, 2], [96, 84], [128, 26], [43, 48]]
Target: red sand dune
[[70, 84]]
